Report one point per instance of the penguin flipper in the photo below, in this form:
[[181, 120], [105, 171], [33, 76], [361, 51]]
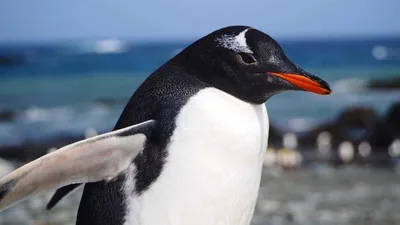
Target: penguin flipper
[[100, 158]]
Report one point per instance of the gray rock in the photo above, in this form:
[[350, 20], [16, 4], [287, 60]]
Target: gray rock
[[15, 216]]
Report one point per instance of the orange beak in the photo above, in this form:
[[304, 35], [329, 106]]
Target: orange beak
[[304, 83]]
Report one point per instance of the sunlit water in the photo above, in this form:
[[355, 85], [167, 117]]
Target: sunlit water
[[54, 90]]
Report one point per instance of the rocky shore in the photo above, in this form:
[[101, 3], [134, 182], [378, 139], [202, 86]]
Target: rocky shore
[[344, 171], [301, 184], [33, 211], [319, 195], [385, 84]]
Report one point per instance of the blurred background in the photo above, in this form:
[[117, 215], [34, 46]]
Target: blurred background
[[67, 69]]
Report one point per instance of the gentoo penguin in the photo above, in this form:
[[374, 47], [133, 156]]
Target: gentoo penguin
[[188, 147]]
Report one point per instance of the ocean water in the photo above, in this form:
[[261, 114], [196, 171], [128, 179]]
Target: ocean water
[[57, 89]]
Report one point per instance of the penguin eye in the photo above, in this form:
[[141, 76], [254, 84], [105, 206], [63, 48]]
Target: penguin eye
[[247, 58]]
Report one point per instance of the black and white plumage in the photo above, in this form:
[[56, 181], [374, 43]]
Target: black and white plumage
[[200, 128]]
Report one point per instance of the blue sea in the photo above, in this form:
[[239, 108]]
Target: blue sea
[[63, 88]]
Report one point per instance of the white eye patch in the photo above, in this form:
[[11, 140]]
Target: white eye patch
[[236, 43]]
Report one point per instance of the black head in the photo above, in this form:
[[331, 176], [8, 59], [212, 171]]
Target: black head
[[246, 63]]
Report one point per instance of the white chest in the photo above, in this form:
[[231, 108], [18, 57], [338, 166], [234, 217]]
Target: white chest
[[213, 168]]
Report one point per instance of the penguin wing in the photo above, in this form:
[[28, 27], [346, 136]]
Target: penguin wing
[[99, 158]]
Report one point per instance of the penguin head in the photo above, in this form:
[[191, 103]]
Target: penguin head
[[247, 64]]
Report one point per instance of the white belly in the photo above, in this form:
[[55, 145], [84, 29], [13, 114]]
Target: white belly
[[213, 168]]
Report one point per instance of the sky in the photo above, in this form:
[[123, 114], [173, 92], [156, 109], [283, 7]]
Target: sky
[[50, 20]]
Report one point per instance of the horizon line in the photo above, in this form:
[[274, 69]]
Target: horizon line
[[132, 39]]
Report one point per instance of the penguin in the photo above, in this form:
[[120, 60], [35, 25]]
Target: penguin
[[188, 147]]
